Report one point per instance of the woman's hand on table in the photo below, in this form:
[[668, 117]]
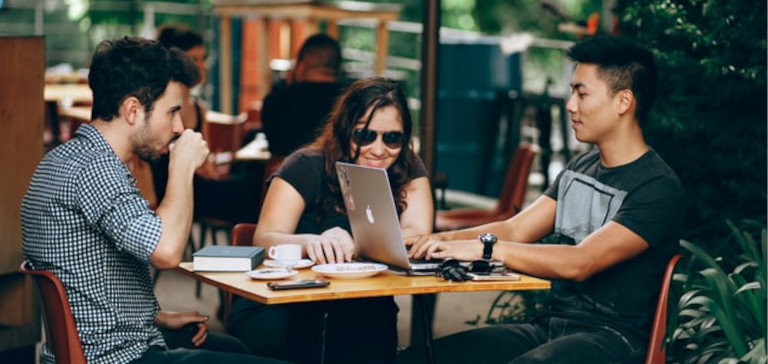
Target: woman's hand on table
[[178, 320], [334, 245]]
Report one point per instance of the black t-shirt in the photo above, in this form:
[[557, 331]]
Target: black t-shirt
[[646, 197], [305, 171], [294, 115]]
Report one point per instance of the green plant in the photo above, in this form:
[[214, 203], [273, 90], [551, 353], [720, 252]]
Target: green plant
[[721, 315], [516, 307], [709, 120]]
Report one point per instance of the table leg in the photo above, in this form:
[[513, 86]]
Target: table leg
[[425, 306], [322, 336]]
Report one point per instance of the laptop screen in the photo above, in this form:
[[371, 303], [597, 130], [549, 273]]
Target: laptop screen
[[372, 214]]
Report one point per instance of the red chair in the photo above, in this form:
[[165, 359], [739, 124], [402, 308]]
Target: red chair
[[510, 202], [60, 328], [656, 352], [242, 235]]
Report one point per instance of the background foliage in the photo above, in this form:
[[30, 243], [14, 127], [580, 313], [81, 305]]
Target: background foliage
[[709, 122], [722, 308], [710, 125]]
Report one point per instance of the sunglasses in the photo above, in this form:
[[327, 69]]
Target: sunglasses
[[452, 270], [392, 139]]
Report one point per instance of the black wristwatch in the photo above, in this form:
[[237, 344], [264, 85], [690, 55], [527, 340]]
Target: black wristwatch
[[488, 240]]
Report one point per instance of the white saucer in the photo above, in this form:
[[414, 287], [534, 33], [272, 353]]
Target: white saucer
[[304, 263], [271, 273], [349, 270]]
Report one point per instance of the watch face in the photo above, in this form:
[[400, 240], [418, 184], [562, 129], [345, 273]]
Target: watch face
[[487, 238]]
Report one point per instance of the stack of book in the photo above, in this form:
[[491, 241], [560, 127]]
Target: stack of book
[[218, 258]]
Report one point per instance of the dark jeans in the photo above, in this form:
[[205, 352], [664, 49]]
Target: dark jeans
[[217, 348], [548, 340], [356, 331]]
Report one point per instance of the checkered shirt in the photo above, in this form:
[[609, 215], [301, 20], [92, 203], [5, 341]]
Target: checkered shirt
[[84, 220]]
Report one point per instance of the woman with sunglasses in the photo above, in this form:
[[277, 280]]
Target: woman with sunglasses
[[369, 125]]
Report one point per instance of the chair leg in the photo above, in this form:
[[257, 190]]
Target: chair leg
[[203, 232], [191, 247], [215, 235], [155, 276], [222, 311]]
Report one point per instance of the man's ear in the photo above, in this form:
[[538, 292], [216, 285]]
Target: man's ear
[[131, 108], [625, 101]]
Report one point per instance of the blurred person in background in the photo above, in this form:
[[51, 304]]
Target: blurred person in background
[[294, 115]]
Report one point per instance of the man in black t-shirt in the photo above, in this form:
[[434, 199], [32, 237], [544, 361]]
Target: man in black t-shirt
[[616, 214], [292, 116]]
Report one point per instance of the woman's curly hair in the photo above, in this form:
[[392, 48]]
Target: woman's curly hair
[[351, 107]]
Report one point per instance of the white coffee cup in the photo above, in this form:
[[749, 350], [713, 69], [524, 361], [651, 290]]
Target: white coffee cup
[[287, 253]]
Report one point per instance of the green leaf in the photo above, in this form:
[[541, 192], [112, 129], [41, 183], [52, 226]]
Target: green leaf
[[722, 308], [758, 352]]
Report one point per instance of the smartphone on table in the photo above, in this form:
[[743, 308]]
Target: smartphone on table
[[494, 276], [309, 283]]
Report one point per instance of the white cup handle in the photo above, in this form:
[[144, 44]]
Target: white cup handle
[[272, 252]]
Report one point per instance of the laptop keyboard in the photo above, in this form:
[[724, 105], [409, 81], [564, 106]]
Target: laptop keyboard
[[426, 261]]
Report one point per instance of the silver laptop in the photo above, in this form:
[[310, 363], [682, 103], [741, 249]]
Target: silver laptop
[[374, 221]]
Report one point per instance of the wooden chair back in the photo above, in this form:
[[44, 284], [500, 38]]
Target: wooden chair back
[[656, 353], [223, 138], [60, 326], [510, 200], [242, 235], [516, 181]]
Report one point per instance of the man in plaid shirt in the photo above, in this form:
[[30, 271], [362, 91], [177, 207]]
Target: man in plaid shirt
[[84, 219]]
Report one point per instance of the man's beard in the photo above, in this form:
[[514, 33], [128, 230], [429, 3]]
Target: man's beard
[[147, 154], [145, 143]]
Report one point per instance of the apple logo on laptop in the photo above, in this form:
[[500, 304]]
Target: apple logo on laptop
[[369, 213]]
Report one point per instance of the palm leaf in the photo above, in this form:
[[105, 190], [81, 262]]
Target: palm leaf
[[720, 316]]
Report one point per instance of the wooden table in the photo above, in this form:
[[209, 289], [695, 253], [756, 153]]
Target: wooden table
[[215, 117], [255, 151], [66, 93], [60, 96], [80, 113], [83, 113], [383, 284]]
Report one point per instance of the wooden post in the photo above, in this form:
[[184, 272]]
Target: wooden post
[[225, 65], [21, 107], [382, 42]]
